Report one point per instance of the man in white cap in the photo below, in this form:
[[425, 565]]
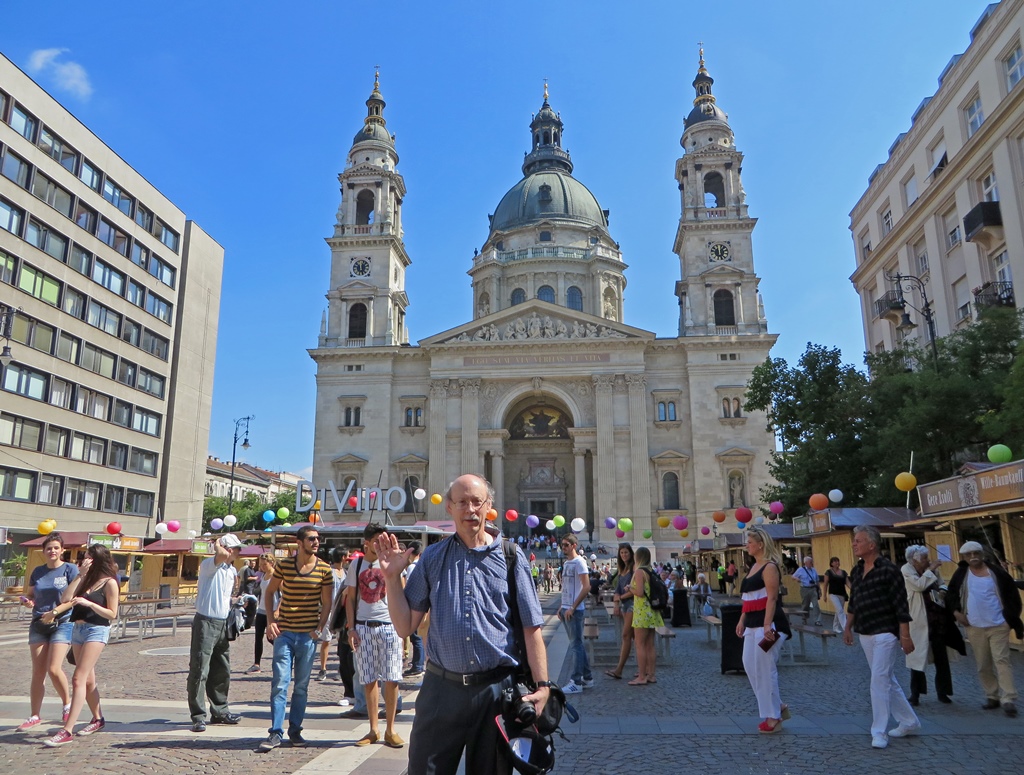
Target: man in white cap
[[984, 599], [209, 667]]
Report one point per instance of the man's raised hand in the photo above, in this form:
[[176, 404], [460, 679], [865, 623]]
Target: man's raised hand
[[392, 559]]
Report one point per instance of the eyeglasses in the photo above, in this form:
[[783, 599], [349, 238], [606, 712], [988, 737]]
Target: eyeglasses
[[474, 503], [312, 538]]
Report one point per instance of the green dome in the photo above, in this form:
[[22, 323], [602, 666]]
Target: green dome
[[547, 195]]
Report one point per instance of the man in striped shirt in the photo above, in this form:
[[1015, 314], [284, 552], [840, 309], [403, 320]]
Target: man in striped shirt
[[306, 584]]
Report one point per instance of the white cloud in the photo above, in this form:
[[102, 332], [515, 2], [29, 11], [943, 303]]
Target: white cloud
[[67, 76]]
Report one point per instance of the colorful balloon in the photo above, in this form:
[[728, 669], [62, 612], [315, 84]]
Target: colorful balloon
[[268, 516], [161, 527], [705, 530], [625, 524], [174, 525], [511, 515], [216, 524], [836, 496], [905, 482], [619, 533], [532, 520], [268, 530], [578, 525], [609, 522], [491, 515], [684, 533], [776, 507], [282, 513], [743, 514], [758, 520], [419, 493], [999, 453], [44, 527], [436, 499], [192, 534], [647, 534], [114, 528], [741, 525], [664, 521], [818, 502], [230, 520], [559, 520], [550, 524], [718, 516]]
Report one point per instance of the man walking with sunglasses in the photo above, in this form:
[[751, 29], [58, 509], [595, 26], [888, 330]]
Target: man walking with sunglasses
[[575, 588], [306, 584]]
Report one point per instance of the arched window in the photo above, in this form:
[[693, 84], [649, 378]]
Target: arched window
[[412, 483], [546, 293], [364, 207], [726, 408], [672, 411], [737, 408], [547, 138], [518, 296], [357, 322], [725, 314], [714, 190], [670, 491], [408, 417], [352, 416], [661, 411], [574, 298], [418, 417]]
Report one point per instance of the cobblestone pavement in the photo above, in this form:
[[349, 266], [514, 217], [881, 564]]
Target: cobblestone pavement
[[694, 716]]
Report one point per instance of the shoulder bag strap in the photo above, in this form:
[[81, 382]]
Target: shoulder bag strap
[[511, 560]]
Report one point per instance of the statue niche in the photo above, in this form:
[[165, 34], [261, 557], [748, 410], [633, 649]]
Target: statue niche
[[540, 422]]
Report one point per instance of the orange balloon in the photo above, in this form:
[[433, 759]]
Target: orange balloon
[[663, 521], [906, 482], [819, 502], [718, 516], [492, 514]]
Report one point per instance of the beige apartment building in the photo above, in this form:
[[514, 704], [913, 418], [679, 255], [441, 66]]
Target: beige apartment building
[[945, 209], [105, 404]]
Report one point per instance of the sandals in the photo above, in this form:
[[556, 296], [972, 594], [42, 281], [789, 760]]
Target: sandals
[[766, 729], [613, 674], [637, 682]]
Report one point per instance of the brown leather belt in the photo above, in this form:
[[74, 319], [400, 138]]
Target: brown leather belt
[[471, 679]]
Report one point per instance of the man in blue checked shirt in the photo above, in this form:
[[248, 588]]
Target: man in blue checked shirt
[[462, 582]]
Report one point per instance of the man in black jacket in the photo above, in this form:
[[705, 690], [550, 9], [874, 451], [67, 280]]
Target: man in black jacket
[[983, 598]]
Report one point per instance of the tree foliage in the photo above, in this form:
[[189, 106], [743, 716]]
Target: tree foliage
[[838, 428], [249, 510]]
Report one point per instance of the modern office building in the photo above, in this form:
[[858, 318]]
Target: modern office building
[[105, 404], [564, 406], [946, 208]]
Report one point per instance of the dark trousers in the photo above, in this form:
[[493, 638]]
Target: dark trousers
[[417, 652], [451, 717], [346, 664], [209, 668], [261, 632], [943, 678]]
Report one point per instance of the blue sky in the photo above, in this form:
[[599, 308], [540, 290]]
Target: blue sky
[[243, 115]]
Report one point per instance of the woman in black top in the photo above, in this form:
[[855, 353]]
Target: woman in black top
[[624, 605], [836, 583], [93, 598]]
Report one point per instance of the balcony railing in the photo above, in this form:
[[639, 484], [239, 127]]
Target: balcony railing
[[996, 294], [355, 343], [888, 302], [726, 330], [984, 215]]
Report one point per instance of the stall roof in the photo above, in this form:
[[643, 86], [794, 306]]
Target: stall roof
[[876, 516], [169, 546], [72, 538], [429, 527]]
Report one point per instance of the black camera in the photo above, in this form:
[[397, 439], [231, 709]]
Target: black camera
[[515, 708]]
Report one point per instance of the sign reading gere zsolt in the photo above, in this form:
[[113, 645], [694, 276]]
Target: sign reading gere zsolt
[[818, 522], [203, 546], [116, 543], [996, 485]]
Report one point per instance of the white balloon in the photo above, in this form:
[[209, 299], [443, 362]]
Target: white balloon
[[161, 528], [191, 533], [230, 520], [550, 524], [836, 496], [419, 493], [758, 520], [578, 525]]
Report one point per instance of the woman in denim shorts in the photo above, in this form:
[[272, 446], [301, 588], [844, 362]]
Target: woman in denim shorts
[[93, 598], [48, 648]]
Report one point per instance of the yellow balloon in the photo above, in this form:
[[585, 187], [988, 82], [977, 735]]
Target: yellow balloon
[[435, 499], [684, 533], [663, 521], [905, 482], [44, 527]]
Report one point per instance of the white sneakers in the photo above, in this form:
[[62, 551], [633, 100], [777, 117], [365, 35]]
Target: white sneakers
[[879, 741], [905, 730], [573, 688], [588, 683]]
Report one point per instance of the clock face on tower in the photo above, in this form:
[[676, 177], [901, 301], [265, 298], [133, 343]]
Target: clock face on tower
[[719, 251], [360, 267]]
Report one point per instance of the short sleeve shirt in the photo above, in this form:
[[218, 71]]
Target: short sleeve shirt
[[572, 581], [213, 593], [371, 597], [49, 584], [299, 610]]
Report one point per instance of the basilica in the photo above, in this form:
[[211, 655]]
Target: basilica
[[548, 391]]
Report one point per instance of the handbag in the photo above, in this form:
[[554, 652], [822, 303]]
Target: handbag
[[39, 627], [707, 610]]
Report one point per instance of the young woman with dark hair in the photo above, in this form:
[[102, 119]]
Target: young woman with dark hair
[[623, 598]]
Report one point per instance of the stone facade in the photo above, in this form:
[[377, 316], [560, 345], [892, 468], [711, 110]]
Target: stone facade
[[562, 405]]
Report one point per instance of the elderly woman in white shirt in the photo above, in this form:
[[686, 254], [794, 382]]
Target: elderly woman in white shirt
[[922, 578]]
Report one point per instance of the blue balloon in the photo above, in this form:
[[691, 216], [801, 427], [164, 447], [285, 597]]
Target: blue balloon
[[741, 525], [268, 530], [268, 516]]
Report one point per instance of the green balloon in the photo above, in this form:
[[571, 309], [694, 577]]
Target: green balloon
[[625, 524], [283, 513], [999, 453], [647, 533], [559, 520]]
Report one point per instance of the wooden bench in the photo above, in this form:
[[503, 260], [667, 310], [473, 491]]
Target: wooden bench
[[714, 627], [809, 629], [147, 622], [664, 637]]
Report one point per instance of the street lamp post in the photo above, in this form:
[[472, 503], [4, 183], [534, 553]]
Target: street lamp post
[[234, 447], [6, 328], [905, 282]]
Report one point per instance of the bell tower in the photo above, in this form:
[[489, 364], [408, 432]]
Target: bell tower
[[367, 300], [717, 290]]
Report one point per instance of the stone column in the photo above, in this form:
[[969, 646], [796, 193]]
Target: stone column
[[498, 482], [470, 425], [711, 308], [437, 419], [580, 457], [604, 388], [741, 319], [640, 477]]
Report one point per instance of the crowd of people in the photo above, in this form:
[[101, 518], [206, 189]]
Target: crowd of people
[[452, 604]]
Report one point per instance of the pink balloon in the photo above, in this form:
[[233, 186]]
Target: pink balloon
[[619, 533], [705, 530], [174, 525], [776, 507], [680, 522]]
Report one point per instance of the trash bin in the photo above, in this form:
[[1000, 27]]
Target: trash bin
[[165, 594], [680, 609], [732, 645]]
